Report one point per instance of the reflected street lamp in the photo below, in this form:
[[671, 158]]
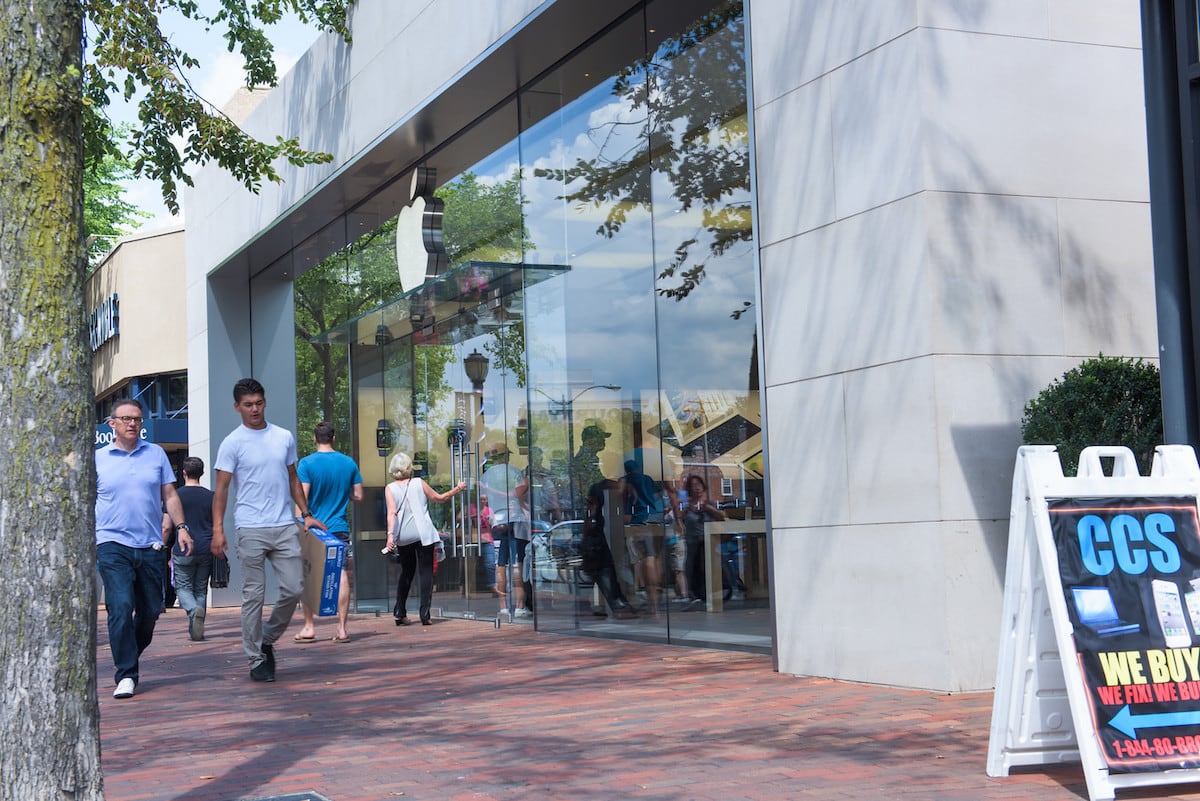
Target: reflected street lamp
[[476, 366]]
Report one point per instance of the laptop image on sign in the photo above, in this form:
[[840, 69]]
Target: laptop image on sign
[[1096, 610]]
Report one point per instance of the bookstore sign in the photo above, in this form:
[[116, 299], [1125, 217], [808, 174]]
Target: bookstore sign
[[104, 322]]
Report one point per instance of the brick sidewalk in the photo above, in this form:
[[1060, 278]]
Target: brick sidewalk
[[461, 710]]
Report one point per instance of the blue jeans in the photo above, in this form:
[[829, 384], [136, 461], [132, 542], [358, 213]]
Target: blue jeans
[[191, 583], [133, 598]]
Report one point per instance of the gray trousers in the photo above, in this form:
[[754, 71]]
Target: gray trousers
[[279, 545]]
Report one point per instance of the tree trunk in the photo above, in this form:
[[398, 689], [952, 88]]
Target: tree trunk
[[49, 723]]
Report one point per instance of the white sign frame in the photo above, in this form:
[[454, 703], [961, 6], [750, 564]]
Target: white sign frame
[[1040, 712]]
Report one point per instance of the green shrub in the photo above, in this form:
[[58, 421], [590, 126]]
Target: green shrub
[[1103, 401]]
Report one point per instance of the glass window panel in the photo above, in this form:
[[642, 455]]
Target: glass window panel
[[629, 365], [177, 399], [705, 270]]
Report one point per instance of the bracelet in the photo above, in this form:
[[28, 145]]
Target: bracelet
[[183, 527]]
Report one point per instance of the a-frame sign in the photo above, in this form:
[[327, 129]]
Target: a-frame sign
[[1100, 640]]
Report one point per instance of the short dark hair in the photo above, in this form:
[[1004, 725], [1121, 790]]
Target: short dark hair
[[247, 386], [192, 467], [323, 432], [119, 402]]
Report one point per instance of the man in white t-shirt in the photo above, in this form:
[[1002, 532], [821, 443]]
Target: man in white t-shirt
[[507, 491], [259, 460]]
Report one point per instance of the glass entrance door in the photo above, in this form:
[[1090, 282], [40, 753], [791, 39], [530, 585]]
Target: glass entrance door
[[469, 415], [441, 374]]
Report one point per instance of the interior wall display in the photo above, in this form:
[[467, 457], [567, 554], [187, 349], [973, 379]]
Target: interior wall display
[[1100, 641]]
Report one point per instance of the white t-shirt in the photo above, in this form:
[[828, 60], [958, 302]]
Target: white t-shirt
[[259, 458], [500, 482]]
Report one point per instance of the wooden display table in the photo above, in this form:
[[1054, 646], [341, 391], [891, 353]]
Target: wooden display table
[[757, 529]]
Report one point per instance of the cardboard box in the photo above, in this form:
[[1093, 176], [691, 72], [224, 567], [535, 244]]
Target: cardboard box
[[323, 555]]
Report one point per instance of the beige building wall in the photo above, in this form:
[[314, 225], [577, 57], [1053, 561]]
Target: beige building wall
[[146, 272], [953, 210]]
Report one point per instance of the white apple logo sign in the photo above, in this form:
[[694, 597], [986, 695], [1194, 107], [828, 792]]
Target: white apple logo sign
[[420, 254]]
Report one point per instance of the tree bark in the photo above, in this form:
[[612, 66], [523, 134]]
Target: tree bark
[[49, 722]]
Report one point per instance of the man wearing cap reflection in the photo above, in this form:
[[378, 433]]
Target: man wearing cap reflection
[[507, 491], [585, 465]]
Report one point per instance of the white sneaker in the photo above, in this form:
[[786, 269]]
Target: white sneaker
[[124, 689], [522, 613]]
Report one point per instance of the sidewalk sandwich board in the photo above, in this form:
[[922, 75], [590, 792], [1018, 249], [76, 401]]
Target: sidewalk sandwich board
[[1100, 639]]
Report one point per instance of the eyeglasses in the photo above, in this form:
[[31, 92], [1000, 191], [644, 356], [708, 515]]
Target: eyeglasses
[[136, 421]]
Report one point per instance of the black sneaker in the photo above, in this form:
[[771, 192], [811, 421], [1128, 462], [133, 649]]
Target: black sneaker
[[263, 672], [268, 650]]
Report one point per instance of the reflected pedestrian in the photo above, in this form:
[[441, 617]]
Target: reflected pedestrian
[[595, 555], [644, 504]]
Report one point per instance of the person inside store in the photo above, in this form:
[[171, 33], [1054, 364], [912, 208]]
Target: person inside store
[[193, 567], [507, 492], [697, 510], [481, 522], [412, 535]]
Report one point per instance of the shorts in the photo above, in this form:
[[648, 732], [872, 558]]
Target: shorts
[[677, 548], [643, 541], [511, 549], [344, 536]]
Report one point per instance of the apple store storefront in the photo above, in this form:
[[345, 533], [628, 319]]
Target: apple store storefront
[[554, 302]]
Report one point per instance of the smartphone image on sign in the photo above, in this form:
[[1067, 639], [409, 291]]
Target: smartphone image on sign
[[1191, 600], [1169, 607]]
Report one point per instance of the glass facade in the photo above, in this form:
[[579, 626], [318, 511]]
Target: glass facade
[[598, 266]]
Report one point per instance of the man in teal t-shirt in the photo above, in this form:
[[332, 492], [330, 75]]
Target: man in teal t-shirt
[[331, 480]]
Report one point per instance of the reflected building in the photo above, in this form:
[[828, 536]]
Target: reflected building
[[810, 252]]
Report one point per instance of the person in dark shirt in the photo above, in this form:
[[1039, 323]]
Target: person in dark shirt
[[193, 567], [595, 556]]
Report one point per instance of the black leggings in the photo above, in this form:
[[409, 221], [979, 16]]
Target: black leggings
[[694, 563], [415, 559]]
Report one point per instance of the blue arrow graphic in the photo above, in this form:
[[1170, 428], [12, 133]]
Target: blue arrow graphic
[[1129, 724]]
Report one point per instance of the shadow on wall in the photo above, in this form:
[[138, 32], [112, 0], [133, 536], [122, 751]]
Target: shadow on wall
[[987, 455]]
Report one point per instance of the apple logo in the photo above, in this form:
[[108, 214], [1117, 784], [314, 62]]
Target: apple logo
[[420, 253]]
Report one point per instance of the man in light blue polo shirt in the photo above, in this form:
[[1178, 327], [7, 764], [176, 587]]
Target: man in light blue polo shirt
[[258, 460], [133, 482]]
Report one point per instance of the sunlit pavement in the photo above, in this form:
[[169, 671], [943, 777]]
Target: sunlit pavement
[[462, 710]]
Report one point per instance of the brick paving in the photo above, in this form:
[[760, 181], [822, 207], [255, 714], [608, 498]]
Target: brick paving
[[463, 711]]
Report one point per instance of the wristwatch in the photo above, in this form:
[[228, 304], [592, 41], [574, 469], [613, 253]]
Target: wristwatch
[[305, 514], [184, 527]]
